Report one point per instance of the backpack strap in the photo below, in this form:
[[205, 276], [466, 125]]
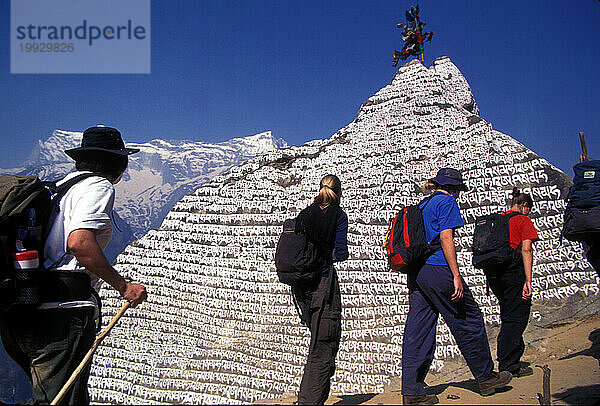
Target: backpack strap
[[434, 244], [63, 188], [510, 216], [58, 193], [428, 198], [302, 300], [332, 274], [513, 214], [517, 249]]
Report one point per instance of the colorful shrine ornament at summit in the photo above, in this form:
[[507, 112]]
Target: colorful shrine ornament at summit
[[412, 35]]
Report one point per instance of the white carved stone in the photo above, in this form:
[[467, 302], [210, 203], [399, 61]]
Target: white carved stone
[[218, 327]]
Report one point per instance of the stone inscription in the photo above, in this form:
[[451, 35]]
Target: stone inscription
[[218, 326]]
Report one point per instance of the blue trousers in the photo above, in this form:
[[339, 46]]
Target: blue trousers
[[429, 295]]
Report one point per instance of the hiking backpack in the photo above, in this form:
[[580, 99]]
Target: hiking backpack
[[296, 257], [581, 221], [491, 242], [405, 242], [28, 207]]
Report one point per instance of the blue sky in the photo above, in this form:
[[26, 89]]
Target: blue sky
[[223, 69]]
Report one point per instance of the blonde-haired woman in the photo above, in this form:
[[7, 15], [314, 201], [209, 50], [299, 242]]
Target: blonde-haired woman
[[326, 226]]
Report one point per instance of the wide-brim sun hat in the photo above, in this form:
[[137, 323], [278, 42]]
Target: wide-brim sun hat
[[105, 139], [450, 177]]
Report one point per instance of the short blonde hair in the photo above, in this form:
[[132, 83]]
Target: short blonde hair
[[330, 190], [430, 186]]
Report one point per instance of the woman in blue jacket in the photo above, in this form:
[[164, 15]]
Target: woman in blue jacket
[[437, 288]]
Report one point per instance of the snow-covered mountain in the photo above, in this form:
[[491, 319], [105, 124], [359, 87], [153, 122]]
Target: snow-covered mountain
[[157, 177]]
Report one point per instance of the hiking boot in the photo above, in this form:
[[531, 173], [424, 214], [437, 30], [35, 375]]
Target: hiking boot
[[497, 380], [420, 400], [522, 371]]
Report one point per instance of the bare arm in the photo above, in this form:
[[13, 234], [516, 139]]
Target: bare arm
[[449, 249], [527, 255], [84, 246]]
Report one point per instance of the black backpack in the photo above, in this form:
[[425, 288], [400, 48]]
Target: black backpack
[[28, 207], [491, 242], [405, 242], [296, 257], [581, 221]]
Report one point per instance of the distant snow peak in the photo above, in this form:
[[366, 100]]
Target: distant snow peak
[[158, 176], [257, 144], [154, 153], [52, 149]]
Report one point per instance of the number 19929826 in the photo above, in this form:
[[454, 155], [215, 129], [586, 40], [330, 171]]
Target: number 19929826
[[47, 47]]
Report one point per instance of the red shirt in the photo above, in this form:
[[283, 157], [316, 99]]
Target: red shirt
[[521, 228]]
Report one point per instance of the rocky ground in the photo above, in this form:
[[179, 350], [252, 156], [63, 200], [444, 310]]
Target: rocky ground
[[571, 351]]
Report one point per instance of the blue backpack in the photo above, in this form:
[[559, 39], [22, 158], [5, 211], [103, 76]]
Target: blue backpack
[[582, 215], [585, 192]]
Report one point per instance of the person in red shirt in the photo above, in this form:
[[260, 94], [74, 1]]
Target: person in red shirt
[[512, 287]]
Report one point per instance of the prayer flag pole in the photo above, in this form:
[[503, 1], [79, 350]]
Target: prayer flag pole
[[584, 155], [413, 36]]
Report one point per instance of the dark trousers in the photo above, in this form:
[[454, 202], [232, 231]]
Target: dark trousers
[[507, 286], [49, 345], [429, 295], [592, 253], [325, 322]]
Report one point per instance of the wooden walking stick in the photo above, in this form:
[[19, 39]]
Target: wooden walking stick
[[89, 355]]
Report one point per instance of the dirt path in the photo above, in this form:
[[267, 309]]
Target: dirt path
[[571, 351]]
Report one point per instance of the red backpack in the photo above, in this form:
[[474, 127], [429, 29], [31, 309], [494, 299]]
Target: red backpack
[[405, 242]]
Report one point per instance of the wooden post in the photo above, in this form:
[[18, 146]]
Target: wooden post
[[584, 152], [545, 398], [89, 355]]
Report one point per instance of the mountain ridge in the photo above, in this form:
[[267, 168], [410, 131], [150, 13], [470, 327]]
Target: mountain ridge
[[159, 175]]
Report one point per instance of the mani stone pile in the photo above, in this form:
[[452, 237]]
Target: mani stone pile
[[218, 327]]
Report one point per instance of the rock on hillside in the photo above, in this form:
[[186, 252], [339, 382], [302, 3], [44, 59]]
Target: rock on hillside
[[219, 328]]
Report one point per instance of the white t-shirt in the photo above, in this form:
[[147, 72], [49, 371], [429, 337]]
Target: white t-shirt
[[86, 205]]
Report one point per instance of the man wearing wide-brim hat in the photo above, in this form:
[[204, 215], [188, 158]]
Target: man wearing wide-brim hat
[[50, 341]]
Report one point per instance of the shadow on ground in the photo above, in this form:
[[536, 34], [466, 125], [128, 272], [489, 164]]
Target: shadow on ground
[[469, 384], [580, 395], [593, 351], [354, 399]]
